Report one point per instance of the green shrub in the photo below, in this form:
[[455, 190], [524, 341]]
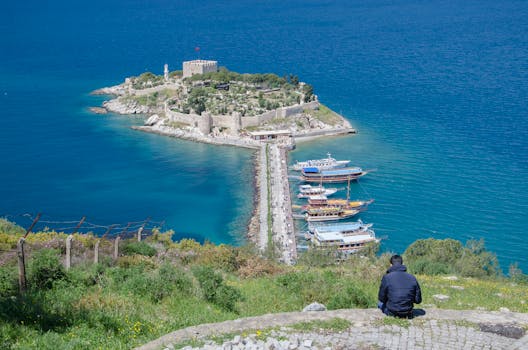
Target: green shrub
[[221, 257], [318, 257], [226, 297], [215, 290], [427, 267], [350, 296], [9, 334], [310, 286], [45, 268], [139, 248], [176, 277], [517, 275], [293, 281], [477, 261], [433, 256], [11, 228], [132, 261], [209, 281], [8, 282]]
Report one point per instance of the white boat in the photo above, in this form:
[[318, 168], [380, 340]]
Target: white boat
[[315, 174], [321, 164], [308, 191], [344, 227], [348, 238]]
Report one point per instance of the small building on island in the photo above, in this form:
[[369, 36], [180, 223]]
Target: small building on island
[[279, 136], [191, 68]]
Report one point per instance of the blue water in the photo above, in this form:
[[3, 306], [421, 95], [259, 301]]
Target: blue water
[[438, 91]]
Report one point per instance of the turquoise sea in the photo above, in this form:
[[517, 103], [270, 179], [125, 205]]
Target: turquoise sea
[[438, 91]]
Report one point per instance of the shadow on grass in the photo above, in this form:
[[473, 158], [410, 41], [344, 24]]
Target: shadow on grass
[[32, 310], [418, 313]]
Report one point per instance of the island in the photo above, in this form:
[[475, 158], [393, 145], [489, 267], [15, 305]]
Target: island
[[205, 103]]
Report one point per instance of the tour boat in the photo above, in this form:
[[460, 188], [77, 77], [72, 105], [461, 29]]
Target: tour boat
[[322, 201], [322, 164], [328, 213], [314, 174], [308, 191], [348, 238], [346, 228]]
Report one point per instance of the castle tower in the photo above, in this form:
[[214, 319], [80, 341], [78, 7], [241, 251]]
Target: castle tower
[[199, 67], [166, 72]]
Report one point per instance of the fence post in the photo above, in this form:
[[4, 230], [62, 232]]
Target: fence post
[[79, 225], [68, 252], [22, 284], [139, 233], [116, 247], [96, 251], [141, 229]]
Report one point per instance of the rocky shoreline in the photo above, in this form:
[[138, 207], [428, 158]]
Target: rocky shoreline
[[194, 135]]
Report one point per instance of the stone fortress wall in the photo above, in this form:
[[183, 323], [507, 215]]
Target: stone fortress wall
[[234, 122]]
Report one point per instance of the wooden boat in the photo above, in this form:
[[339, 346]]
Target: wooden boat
[[329, 213], [321, 201], [331, 176], [322, 164], [308, 191]]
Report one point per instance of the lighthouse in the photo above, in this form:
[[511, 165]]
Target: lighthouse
[[166, 72]]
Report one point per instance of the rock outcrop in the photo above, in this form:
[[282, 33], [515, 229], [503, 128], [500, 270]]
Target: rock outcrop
[[122, 106]]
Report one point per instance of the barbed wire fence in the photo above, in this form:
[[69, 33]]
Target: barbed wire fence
[[102, 241]]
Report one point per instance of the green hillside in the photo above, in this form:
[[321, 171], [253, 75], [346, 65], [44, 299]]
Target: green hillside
[[157, 286]]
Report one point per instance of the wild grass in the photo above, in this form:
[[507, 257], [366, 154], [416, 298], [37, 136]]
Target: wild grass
[[333, 325], [324, 114], [122, 304]]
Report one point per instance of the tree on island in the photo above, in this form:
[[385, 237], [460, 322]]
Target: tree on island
[[308, 92]]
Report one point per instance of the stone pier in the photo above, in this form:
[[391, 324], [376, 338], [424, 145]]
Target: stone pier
[[274, 207], [262, 238], [282, 229]]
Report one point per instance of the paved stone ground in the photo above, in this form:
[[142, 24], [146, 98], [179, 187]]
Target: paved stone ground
[[369, 330]]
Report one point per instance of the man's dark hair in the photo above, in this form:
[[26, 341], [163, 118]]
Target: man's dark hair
[[396, 260]]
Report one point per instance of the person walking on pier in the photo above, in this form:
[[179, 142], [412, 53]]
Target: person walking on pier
[[399, 290]]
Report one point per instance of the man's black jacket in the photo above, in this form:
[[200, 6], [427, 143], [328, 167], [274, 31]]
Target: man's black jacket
[[399, 290]]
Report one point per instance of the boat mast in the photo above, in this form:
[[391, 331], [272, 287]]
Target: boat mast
[[348, 190]]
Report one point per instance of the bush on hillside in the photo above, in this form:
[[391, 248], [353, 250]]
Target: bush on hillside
[[313, 285], [251, 266], [45, 268], [176, 277], [11, 228], [349, 296], [8, 282], [215, 290], [516, 274], [434, 257], [222, 257], [140, 248], [318, 257], [164, 238]]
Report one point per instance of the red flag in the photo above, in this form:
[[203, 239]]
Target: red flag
[[197, 48]]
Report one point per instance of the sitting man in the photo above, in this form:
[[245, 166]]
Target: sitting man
[[399, 290]]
